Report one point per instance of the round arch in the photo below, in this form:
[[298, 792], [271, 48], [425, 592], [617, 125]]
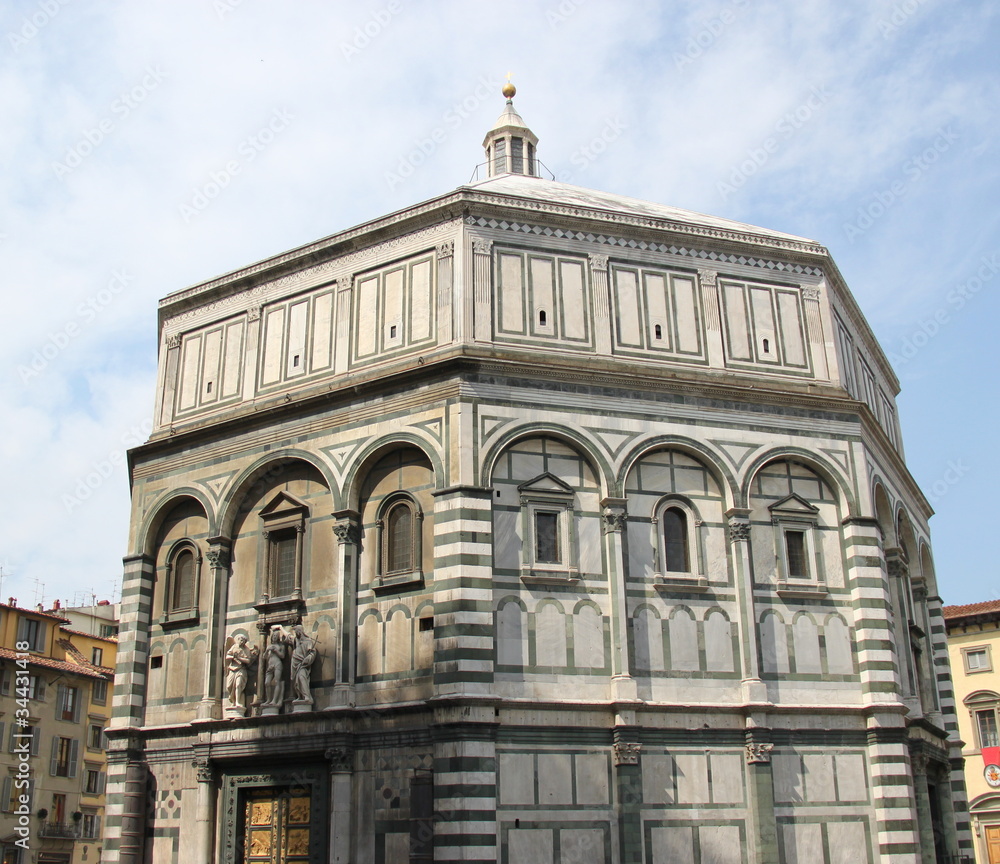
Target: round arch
[[571, 437], [827, 472], [161, 508], [263, 467], [883, 513], [350, 495], [695, 449]]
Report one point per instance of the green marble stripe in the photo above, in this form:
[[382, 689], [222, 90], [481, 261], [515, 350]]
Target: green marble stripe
[[465, 763]]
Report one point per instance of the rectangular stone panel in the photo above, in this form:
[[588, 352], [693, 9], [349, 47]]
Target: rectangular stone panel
[[737, 323], [727, 778], [511, 300], [232, 365], [555, 782], [581, 846], [848, 842], [692, 778], [657, 311], [688, 321], [852, 781], [802, 843], [190, 357], [591, 779], [673, 845], [720, 844], [627, 309], [517, 778], [763, 325], [529, 844], [573, 302], [657, 778], [393, 301], [274, 332], [542, 296], [211, 357], [366, 300], [295, 353], [792, 328], [322, 332], [421, 301]]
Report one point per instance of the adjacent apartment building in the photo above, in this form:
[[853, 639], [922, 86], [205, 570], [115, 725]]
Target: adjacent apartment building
[[530, 523], [55, 704], [974, 648]]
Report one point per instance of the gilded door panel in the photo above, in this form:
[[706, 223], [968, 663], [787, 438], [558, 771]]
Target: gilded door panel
[[277, 828]]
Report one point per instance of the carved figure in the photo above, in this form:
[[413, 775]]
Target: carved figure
[[238, 661], [303, 656], [274, 669]]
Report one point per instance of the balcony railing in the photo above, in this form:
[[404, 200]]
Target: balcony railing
[[60, 830]]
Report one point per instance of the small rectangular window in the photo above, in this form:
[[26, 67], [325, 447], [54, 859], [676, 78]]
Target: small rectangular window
[[156, 662], [100, 692], [546, 537], [977, 660], [97, 656], [987, 723], [795, 549]]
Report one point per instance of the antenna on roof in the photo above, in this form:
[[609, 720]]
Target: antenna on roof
[[39, 591]]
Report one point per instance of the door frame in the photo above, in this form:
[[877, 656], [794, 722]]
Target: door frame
[[310, 778]]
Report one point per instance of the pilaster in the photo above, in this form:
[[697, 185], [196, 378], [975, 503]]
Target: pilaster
[[347, 529], [754, 689], [219, 555], [599, 280], [482, 316]]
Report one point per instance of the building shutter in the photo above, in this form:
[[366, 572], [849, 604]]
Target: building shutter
[[5, 794], [10, 742], [61, 702], [4, 682], [77, 702], [36, 741], [40, 689], [54, 761], [102, 783], [74, 757]]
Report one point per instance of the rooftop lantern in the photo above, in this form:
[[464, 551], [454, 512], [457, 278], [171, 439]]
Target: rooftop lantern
[[510, 144]]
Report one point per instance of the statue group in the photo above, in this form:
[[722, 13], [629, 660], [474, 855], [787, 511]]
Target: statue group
[[240, 658]]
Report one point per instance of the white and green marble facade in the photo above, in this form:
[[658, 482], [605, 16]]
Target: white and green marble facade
[[514, 342]]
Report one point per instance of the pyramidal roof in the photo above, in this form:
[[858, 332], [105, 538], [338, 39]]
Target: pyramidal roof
[[554, 192], [518, 176]]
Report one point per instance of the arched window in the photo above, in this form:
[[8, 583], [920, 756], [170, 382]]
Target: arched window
[[399, 538], [400, 545], [182, 590], [676, 553]]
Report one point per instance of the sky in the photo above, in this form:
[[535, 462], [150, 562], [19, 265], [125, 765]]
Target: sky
[[146, 147]]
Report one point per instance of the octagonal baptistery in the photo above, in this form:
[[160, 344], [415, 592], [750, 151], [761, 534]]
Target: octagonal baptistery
[[530, 524]]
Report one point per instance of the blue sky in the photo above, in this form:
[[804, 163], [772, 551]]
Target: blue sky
[[870, 127]]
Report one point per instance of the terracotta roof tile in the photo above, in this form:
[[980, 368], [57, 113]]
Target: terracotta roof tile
[[62, 665], [51, 615], [969, 609]]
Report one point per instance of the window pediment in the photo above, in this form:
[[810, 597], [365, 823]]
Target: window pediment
[[545, 485], [794, 507], [284, 508]]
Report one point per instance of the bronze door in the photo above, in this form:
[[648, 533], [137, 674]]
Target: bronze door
[[277, 827]]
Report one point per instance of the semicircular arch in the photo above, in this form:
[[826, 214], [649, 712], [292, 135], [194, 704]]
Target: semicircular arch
[[586, 447], [161, 508], [350, 495], [270, 467], [712, 461], [823, 467]]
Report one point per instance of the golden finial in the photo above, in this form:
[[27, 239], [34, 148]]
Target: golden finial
[[509, 89]]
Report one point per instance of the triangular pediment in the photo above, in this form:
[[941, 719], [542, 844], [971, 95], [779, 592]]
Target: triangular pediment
[[546, 483], [283, 504], [794, 504]]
